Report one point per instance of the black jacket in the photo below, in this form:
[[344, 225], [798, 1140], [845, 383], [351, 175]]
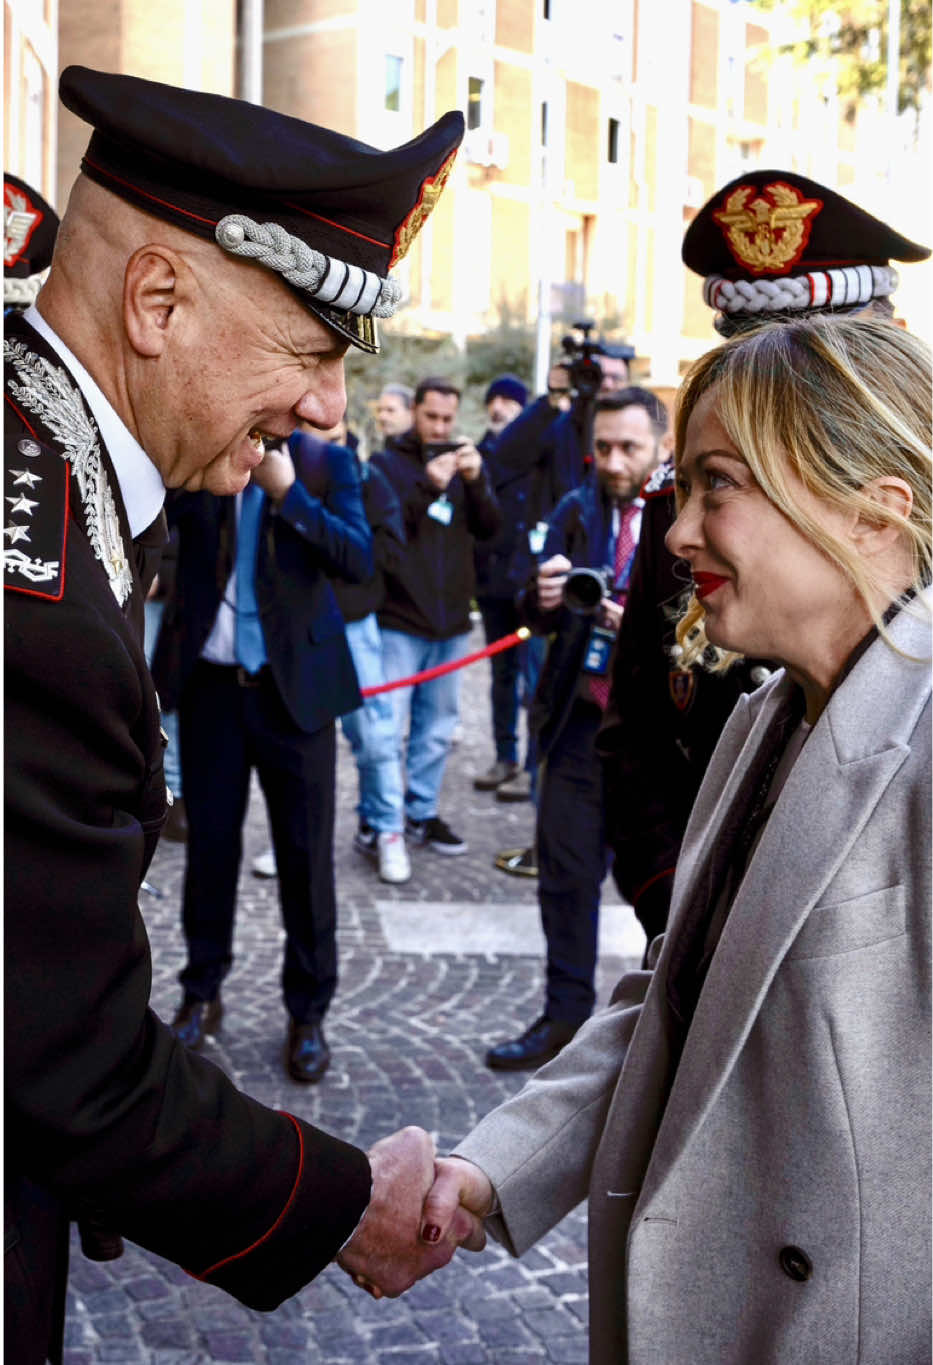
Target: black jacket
[[384, 516], [318, 531], [429, 592], [107, 1115]]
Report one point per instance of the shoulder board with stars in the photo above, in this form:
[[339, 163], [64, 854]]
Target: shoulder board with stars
[[661, 482], [35, 518]]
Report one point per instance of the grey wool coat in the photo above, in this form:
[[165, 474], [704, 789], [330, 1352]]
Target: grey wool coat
[[776, 1209]]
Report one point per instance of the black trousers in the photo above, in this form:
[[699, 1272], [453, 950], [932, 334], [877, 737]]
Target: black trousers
[[572, 862], [227, 730]]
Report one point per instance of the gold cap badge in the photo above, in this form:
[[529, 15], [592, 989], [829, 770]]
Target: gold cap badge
[[768, 234]]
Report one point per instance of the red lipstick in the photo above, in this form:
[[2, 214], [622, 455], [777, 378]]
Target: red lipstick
[[705, 583]]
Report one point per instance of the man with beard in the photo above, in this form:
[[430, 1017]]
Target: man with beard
[[594, 527]]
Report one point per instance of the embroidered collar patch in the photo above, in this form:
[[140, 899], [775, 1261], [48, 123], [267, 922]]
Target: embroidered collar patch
[[48, 391]]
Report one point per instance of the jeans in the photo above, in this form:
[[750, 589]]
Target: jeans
[[515, 675], [373, 737], [430, 710], [171, 759]]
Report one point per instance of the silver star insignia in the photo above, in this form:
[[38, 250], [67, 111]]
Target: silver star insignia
[[16, 533], [25, 476], [22, 504]]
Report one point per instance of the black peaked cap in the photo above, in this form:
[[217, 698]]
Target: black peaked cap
[[192, 159], [834, 232]]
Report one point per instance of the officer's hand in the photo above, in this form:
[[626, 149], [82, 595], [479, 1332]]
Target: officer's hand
[[441, 470], [276, 474], [552, 575], [469, 462], [610, 615]]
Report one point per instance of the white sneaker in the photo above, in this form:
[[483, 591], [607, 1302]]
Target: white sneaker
[[264, 864], [394, 863]]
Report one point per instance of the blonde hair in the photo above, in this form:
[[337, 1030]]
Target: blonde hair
[[837, 402]]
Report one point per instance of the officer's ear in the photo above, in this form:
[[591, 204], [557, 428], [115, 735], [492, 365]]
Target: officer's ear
[[152, 285]]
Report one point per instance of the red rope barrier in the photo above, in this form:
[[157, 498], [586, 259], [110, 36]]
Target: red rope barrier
[[497, 646]]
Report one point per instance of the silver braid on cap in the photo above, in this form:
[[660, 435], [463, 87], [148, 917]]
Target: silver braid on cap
[[341, 286], [841, 287]]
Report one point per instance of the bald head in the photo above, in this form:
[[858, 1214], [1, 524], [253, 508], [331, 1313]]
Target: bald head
[[199, 353]]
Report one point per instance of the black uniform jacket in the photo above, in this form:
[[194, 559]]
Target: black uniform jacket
[[318, 530], [106, 1113], [662, 722], [429, 593]]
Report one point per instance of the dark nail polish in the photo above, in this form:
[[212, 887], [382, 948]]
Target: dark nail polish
[[431, 1232]]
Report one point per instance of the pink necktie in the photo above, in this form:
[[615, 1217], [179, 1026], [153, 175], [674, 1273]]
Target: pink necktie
[[625, 545]]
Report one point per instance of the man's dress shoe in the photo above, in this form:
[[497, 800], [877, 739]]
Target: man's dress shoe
[[537, 1045], [195, 1019], [307, 1055]]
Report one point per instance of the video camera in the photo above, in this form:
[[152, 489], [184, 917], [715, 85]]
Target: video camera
[[581, 359]]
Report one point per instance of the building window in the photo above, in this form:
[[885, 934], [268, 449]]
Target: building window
[[393, 94], [612, 151], [544, 123], [474, 117]]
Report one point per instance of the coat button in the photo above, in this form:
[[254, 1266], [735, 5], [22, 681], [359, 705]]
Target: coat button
[[795, 1263], [29, 448]]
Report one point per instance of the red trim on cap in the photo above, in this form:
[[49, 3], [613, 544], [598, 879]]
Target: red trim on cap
[[212, 222], [212, 1270], [330, 223]]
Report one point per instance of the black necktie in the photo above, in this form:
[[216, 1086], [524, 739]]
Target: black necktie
[[147, 551]]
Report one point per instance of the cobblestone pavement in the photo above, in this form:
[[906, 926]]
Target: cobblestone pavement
[[407, 1031]]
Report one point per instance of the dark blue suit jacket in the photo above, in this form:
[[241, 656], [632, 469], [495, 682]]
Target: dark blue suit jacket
[[319, 531]]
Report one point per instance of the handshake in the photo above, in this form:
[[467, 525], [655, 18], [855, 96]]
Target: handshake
[[421, 1209]]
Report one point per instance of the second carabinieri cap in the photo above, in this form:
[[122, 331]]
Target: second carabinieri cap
[[329, 214], [775, 242]]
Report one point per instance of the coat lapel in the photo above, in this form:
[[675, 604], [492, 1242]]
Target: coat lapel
[[853, 753]]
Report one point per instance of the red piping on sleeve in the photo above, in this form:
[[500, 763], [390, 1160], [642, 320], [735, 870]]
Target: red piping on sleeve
[[668, 872], [212, 1270]]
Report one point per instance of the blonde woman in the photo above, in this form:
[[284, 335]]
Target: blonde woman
[[750, 1122]]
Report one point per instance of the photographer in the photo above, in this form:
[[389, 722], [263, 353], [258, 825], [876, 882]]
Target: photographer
[[594, 528], [447, 501], [552, 437]]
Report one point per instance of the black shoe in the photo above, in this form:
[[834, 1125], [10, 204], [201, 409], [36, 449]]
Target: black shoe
[[517, 862], [195, 1019], [501, 771], [365, 840], [176, 822], [536, 1045], [307, 1055], [436, 834]]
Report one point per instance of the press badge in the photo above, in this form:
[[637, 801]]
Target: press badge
[[598, 651], [442, 510], [536, 537]]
